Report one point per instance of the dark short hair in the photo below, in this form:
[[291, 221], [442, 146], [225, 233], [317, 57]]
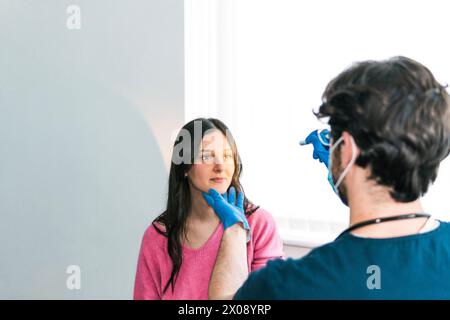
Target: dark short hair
[[398, 115]]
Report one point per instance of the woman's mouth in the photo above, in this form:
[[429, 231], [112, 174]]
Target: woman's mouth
[[219, 180]]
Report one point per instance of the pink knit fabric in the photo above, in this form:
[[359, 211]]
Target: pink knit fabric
[[154, 264]]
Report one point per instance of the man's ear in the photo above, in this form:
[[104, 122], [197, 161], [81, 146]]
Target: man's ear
[[348, 149]]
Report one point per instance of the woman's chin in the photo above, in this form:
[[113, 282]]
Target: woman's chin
[[220, 188]]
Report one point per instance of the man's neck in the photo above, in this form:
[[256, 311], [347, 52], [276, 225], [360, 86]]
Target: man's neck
[[375, 205]]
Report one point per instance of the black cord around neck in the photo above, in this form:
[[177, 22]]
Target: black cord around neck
[[385, 219]]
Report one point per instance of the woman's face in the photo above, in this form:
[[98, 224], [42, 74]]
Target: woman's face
[[215, 167]]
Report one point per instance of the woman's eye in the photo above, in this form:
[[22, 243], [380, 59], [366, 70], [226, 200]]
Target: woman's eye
[[206, 158], [209, 158]]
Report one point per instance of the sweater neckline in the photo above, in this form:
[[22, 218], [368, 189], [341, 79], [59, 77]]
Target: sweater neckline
[[204, 245]]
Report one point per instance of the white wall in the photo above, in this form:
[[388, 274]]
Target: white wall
[[286, 52], [85, 123], [295, 252], [262, 65]]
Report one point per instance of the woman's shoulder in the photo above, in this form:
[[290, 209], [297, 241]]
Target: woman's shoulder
[[260, 216], [154, 236], [265, 233]]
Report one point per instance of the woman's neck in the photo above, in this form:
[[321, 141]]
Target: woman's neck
[[200, 210]]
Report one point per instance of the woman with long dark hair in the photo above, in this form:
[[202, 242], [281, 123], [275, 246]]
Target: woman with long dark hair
[[179, 249]]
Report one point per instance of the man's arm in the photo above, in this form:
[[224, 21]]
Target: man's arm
[[230, 270]]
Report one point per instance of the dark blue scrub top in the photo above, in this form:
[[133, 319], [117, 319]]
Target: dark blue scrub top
[[351, 267]]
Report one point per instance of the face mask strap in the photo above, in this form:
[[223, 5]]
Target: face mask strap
[[330, 163], [352, 161], [334, 146]]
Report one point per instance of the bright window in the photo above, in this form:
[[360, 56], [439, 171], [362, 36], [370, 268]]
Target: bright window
[[261, 66]]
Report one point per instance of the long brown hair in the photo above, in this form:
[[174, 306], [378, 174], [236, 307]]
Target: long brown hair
[[174, 218]]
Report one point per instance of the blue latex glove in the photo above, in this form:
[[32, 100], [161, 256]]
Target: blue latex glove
[[321, 150], [229, 209]]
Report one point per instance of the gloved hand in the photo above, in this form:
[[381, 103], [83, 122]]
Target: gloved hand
[[229, 209], [321, 150]]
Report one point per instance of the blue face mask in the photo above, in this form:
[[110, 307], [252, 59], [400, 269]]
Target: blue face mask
[[346, 170]]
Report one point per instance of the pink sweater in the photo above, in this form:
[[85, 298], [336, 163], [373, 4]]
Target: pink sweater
[[154, 264]]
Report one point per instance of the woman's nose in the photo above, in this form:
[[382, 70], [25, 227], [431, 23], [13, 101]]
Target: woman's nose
[[218, 160], [218, 166]]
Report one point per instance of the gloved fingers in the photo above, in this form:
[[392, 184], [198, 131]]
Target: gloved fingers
[[325, 135], [240, 200], [232, 196], [209, 199], [324, 139], [315, 155], [310, 138], [324, 154], [215, 195], [319, 156]]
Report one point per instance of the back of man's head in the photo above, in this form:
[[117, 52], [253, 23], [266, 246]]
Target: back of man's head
[[399, 117]]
